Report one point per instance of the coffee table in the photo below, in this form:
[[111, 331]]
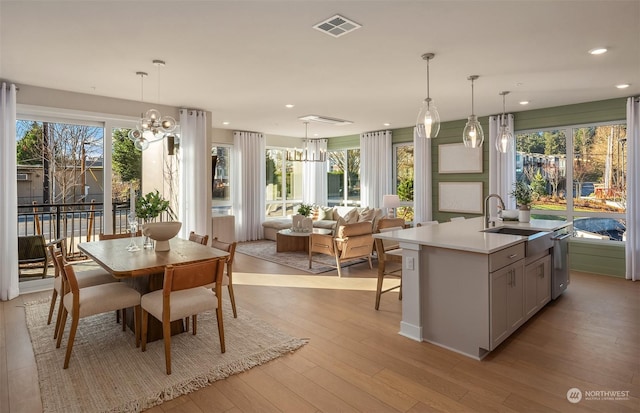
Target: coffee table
[[287, 240]]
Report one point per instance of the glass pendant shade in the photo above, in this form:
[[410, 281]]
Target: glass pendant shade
[[428, 123], [152, 114], [504, 140], [141, 144], [167, 123], [473, 135]]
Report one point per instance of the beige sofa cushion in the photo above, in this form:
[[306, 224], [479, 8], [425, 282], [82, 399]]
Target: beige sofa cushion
[[352, 230]]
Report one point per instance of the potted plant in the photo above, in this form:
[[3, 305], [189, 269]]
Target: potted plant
[[523, 196], [149, 207], [305, 209]]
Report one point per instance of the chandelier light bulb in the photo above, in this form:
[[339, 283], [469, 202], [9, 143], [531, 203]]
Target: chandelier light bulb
[[428, 122], [504, 140], [141, 144], [168, 124]]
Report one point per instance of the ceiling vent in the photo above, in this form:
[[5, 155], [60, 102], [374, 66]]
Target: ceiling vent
[[325, 119], [337, 26]]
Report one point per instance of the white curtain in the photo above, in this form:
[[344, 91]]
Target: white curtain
[[8, 195], [315, 174], [422, 199], [249, 184], [502, 166], [376, 168], [632, 248], [195, 174]]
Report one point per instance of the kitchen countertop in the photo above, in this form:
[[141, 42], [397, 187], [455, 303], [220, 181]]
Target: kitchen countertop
[[466, 235]]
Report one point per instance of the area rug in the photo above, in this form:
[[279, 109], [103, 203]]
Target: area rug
[[299, 260], [107, 373]]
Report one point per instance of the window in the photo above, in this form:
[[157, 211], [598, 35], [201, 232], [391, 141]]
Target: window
[[403, 178], [344, 172], [577, 172], [220, 188], [284, 183]]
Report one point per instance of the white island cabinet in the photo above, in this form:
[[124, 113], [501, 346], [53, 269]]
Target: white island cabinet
[[468, 290]]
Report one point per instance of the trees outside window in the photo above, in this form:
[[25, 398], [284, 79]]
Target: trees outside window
[[344, 172], [283, 184]]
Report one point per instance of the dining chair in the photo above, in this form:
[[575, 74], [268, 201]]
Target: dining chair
[[96, 299], [32, 252], [102, 236], [184, 294], [426, 223], [388, 252], [227, 277], [200, 239], [86, 278]]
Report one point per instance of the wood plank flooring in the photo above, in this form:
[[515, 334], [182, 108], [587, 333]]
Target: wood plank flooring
[[356, 362]]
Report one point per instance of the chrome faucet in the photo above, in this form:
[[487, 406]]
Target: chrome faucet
[[487, 213]]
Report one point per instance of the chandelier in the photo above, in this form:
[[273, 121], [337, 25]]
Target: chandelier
[[428, 123], [504, 140], [152, 126], [306, 154], [472, 135]]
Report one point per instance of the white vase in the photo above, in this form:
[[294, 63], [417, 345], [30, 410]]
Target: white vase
[[524, 215], [161, 233]]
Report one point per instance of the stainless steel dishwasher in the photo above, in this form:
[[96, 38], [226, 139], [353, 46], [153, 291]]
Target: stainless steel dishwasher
[[560, 261]]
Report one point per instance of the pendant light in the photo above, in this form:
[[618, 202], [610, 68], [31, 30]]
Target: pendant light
[[504, 140], [472, 136], [428, 123]]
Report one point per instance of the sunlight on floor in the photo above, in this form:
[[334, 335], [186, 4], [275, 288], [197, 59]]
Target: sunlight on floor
[[309, 281]]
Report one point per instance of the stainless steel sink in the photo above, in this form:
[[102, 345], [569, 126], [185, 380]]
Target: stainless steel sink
[[536, 242]]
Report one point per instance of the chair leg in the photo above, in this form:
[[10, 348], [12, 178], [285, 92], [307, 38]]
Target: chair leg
[[124, 319], [72, 336], [63, 321], [186, 324], [338, 265], [380, 280], [166, 332], [220, 328], [370, 266], [233, 300], [143, 329], [54, 295], [117, 316], [137, 321], [195, 323], [58, 319]]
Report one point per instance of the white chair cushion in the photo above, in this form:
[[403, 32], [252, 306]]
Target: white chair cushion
[[88, 278], [183, 303], [102, 298]]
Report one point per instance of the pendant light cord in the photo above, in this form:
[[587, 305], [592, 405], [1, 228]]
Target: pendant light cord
[[472, 111], [428, 95]]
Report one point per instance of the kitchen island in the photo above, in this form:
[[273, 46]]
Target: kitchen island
[[467, 290]]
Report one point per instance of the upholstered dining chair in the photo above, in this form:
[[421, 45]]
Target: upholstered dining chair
[[388, 252], [350, 241], [200, 239], [227, 277], [86, 278], [184, 294], [88, 301]]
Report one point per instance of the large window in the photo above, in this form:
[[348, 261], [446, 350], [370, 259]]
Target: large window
[[577, 172], [403, 178], [284, 183], [343, 178], [220, 188]]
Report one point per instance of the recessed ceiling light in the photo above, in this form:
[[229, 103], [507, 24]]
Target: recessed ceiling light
[[225, 123], [598, 50], [524, 102], [386, 124], [623, 85], [289, 106]]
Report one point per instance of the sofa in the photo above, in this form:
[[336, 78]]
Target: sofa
[[326, 218]]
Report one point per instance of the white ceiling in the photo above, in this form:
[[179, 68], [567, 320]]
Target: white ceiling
[[244, 60]]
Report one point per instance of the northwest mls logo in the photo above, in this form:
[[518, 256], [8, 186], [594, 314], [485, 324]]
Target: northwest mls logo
[[574, 395]]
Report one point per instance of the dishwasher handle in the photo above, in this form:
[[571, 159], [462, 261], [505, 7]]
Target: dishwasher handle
[[560, 237]]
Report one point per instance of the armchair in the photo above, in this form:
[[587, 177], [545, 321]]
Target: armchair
[[32, 252], [350, 241]]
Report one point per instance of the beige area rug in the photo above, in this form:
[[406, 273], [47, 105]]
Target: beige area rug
[[266, 250], [107, 373]]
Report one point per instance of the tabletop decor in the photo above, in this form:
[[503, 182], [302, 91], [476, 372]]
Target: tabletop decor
[[523, 196], [161, 233], [149, 207]]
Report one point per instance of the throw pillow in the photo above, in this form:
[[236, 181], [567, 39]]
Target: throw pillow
[[352, 216], [366, 215], [317, 213]]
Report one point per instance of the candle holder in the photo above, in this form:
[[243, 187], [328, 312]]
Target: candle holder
[[133, 227]]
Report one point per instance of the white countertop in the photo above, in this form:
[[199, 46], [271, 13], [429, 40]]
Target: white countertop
[[466, 235]]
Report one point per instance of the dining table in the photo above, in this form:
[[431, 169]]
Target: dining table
[[144, 269]]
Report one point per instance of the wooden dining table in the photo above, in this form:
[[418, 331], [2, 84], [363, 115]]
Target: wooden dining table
[[144, 269]]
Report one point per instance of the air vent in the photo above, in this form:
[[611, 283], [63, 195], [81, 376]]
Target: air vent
[[337, 26], [325, 119]]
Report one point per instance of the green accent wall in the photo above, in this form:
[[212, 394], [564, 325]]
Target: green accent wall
[[601, 258]]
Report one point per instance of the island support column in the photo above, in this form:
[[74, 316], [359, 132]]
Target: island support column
[[411, 324]]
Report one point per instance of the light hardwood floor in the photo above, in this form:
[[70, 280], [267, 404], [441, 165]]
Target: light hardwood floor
[[356, 362]]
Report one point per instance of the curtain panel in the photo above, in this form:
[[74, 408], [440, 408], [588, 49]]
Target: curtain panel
[[315, 174], [9, 195], [632, 248], [502, 166], [249, 166], [195, 185], [422, 190], [376, 168]]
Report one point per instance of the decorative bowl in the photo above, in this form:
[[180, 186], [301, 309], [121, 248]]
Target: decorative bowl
[[161, 233], [510, 214]]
